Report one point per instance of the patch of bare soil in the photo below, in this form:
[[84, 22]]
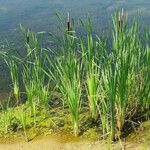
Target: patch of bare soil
[[68, 142]]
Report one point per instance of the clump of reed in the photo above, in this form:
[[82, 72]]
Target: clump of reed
[[22, 120], [70, 87], [114, 81], [120, 77], [12, 64], [34, 78], [67, 74], [89, 56]]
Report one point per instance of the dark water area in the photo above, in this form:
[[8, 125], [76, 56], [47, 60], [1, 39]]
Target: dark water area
[[39, 15]]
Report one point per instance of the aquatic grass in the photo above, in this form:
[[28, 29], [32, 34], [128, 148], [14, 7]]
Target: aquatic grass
[[29, 89], [46, 94], [109, 81], [67, 74], [91, 58], [93, 76], [33, 76], [115, 76], [14, 72], [121, 66], [124, 67], [113, 81], [111, 75], [70, 87], [22, 120], [6, 120], [144, 73]]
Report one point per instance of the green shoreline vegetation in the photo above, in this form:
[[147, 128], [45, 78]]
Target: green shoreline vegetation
[[80, 83]]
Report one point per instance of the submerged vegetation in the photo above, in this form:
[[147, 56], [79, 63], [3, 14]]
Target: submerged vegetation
[[78, 73]]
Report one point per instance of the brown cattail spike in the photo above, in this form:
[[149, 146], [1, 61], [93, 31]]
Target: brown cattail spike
[[27, 38], [120, 18], [68, 23]]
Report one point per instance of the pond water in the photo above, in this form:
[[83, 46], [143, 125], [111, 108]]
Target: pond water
[[39, 15]]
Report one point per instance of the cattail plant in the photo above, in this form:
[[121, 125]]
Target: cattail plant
[[14, 72], [114, 81], [110, 86], [127, 62], [33, 75], [68, 76], [92, 70], [70, 87], [93, 89], [46, 93], [29, 89], [120, 19], [22, 120], [144, 61]]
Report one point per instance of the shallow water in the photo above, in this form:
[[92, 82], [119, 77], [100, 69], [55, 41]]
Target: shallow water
[[39, 15]]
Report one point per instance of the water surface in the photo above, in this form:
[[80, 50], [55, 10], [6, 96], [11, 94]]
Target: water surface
[[39, 15]]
